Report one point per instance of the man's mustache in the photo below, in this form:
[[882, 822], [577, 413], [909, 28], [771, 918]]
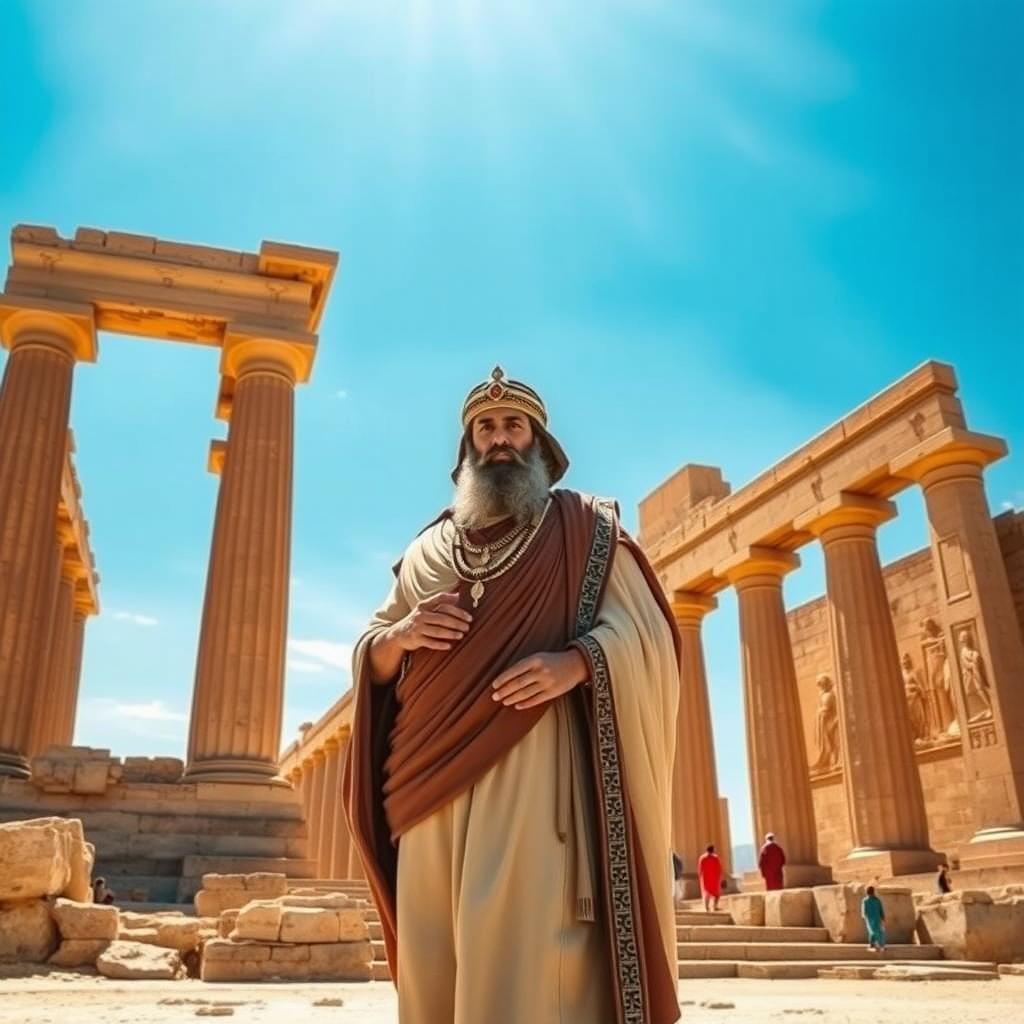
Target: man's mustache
[[489, 455]]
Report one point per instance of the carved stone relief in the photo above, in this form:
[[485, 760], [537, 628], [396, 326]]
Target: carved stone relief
[[917, 706], [938, 683], [827, 727], [973, 674]]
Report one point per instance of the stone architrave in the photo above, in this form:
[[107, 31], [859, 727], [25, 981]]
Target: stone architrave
[[45, 339], [235, 729], [776, 750], [696, 817], [883, 788], [329, 807], [982, 635]]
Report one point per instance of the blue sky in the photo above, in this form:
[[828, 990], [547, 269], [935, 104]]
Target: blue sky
[[703, 231]]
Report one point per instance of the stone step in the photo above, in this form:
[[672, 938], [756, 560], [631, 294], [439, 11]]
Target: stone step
[[376, 931], [163, 845], [941, 971], [742, 933], [378, 950], [827, 951], [186, 909], [700, 917], [293, 867], [381, 970], [798, 969], [150, 867]]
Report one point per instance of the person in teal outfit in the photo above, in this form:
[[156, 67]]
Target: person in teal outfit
[[873, 912]]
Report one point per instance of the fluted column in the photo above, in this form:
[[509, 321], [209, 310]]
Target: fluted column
[[696, 819], [49, 706], [35, 402], [65, 734], [982, 635], [316, 804], [883, 789], [235, 729], [329, 807], [342, 838], [780, 785]]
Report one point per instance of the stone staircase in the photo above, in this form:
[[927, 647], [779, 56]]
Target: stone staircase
[[710, 945]]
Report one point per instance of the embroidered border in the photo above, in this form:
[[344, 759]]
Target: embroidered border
[[598, 562], [613, 806], [613, 803]]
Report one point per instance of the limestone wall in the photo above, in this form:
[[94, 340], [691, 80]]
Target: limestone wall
[[913, 599]]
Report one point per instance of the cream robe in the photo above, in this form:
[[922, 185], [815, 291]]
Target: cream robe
[[487, 924]]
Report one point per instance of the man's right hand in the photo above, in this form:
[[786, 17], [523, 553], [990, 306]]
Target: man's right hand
[[437, 624]]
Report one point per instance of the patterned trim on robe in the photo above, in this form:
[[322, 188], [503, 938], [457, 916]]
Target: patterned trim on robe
[[628, 978]]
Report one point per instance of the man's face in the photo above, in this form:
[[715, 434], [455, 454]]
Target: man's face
[[499, 435]]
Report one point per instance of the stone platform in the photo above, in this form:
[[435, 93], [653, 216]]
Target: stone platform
[[155, 839]]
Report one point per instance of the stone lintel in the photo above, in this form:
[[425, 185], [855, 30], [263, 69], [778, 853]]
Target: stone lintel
[[143, 285], [249, 345], [950, 447], [73, 321], [215, 459], [758, 561], [225, 398], [846, 509]]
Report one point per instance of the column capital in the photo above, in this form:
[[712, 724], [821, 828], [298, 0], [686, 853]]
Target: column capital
[[331, 744], [758, 565], [689, 608], [318, 755], [250, 348], [217, 454], [67, 326], [307, 763], [846, 509], [949, 454]]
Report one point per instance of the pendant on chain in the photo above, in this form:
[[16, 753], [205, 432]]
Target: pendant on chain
[[476, 592]]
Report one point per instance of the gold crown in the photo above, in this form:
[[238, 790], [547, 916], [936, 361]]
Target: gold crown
[[498, 391]]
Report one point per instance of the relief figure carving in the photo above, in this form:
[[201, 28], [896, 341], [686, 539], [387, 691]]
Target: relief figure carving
[[938, 683], [977, 697], [827, 726], [917, 706]]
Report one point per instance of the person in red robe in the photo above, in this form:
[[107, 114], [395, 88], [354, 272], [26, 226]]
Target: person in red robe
[[709, 871], [770, 862]]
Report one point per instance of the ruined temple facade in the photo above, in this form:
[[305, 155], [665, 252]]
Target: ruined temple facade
[[914, 603]]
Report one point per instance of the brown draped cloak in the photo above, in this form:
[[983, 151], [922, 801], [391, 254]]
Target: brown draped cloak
[[419, 743]]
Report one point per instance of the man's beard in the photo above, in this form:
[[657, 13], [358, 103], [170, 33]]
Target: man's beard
[[488, 490]]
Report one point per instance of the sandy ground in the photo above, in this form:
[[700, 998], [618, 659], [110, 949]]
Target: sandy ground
[[62, 998]]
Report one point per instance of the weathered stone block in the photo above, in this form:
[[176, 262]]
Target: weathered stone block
[[216, 883], [900, 913], [328, 901], [973, 928], [290, 954], [789, 908], [223, 949], [309, 924], [138, 960], [27, 931], [258, 920], [747, 908], [78, 952], [85, 920], [837, 908], [152, 769], [352, 926], [267, 883], [341, 961], [35, 859], [226, 923]]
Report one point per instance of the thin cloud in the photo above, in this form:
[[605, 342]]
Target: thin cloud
[[341, 393], [298, 665], [325, 652], [136, 618]]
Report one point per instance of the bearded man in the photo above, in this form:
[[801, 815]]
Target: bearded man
[[508, 782]]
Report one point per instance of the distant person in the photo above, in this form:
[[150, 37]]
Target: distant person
[[942, 882], [709, 871], [770, 862], [100, 892], [873, 912], [677, 877]]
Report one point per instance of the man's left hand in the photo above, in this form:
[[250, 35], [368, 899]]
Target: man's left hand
[[540, 678]]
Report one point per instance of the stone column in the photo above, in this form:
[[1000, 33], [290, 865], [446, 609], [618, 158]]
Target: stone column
[[235, 729], [355, 865], [48, 717], [316, 803], [780, 786], [883, 788], [35, 400], [696, 821], [342, 838], [329, 809], [983, 637], [72, 682]]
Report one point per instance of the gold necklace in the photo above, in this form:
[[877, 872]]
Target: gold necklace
[[484, 551], [486, 574]]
